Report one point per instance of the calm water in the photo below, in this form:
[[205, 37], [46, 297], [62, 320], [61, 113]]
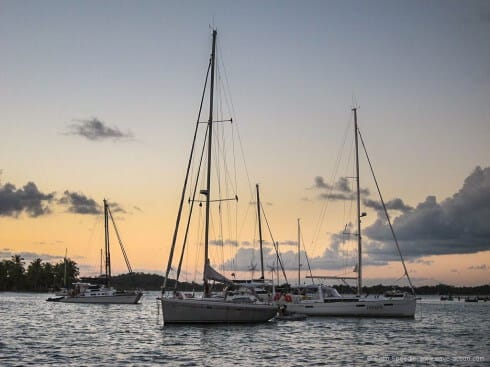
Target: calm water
[[35, 332]]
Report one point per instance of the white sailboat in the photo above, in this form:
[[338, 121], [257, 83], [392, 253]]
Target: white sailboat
[[226, 307], [322, 300], [86, 292]]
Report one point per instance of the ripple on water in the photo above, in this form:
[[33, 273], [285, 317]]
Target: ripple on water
[[35, 332]]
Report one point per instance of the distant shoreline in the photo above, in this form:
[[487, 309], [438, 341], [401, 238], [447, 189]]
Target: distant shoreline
[[153, 282]]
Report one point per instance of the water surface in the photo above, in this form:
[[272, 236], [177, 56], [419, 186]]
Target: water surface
[[36, 332]]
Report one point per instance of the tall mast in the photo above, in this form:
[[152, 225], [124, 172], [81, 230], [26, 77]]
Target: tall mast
[[107, 250], [359, 240], [260, 234], [208, 180], [299, 256]]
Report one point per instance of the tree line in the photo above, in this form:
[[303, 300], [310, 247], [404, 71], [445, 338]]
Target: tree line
[[42, 276], [38, 277]]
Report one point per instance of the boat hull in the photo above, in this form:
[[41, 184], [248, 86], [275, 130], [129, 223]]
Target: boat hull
[[110, 299], [201, 311], [361, 308]]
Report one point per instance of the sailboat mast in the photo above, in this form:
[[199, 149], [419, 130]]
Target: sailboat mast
[[260, 233], [208, 180], [299, 255], [359, 240], [65, 275], [107, 250]]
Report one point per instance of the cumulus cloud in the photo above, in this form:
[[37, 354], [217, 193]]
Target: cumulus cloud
[[96, 130], [333, 258], [78, 203], [457, 225], [27, 199]]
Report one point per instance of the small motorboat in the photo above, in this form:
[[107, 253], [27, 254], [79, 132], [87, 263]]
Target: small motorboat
[[55, 299], [284, 315]]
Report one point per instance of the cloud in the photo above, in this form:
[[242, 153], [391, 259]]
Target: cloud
[[478, 267], [27, 199], [6, 254], [333, 258], [116, 208], [422, 262], [394, 204], [96, 130], [78, 203], [222, 243], [341, 190], [457, 225]]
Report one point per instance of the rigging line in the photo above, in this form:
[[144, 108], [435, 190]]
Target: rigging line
[[199, 242], [229, 102], [332, 179], [306, 256], [221, 135], [184, 242], [174, 238], [226, 85], [386, 213], [224, 93], [275, 244], [227, 99], [120, 241]]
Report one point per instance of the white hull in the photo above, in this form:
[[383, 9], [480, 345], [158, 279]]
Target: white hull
[[109, 299], [190, 311], [368, 307]]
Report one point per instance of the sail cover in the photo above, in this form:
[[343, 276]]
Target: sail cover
[[211, 274]]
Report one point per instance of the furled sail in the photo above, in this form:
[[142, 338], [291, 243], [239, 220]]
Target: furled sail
[[211, 274]]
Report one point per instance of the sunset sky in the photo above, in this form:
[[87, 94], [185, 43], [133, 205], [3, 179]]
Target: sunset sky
[[99, 100]]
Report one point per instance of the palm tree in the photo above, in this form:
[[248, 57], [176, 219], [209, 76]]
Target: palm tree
[[15, 272], [34, 274]]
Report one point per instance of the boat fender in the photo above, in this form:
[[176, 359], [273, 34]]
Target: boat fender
[[288, 298], [277, 296]]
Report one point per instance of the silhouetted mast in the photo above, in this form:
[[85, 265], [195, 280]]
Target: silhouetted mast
[[260, 234], [208, 179], [359, 240], [107, 249]]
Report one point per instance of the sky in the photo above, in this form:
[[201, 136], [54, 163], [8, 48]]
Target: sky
[[99, 100]]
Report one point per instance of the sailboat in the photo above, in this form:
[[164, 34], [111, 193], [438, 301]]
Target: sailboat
[[86, 292], [211, 307], [322, 300], [260, 287], [64, 291]]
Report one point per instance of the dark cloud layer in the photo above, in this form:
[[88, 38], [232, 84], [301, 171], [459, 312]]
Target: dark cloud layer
[[27, 199], [78, 203], [97, 130], [457, 225]]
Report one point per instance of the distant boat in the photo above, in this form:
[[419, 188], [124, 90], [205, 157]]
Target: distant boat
[[471, 299], [322, 300], [86, 292], [447, 298], [240, 306]]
